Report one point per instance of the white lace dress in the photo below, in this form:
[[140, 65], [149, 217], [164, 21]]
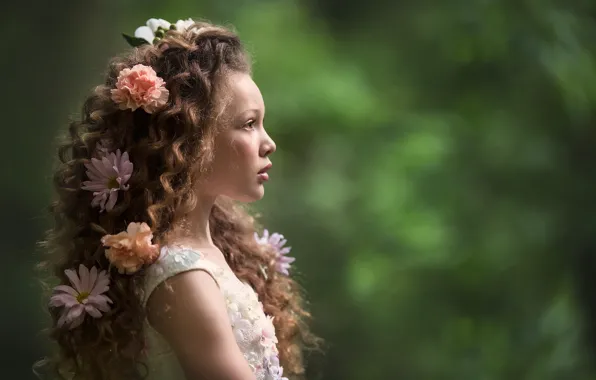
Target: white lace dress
[[253, 329]]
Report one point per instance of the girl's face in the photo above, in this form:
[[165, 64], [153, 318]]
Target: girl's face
[[242, 148]]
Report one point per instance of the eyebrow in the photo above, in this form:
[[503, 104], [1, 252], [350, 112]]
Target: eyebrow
[[255, 110], [248, 111]]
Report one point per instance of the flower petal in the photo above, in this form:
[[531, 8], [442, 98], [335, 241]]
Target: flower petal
[[183, 25], [154, 23], [100, 200], [145, 33], [100, 302], [124, 164], [92, 311], [101, 286], [275, 238], [92, 277], [133, 228], [66, 289], [74, 279], [62, 299], [92, 172], [63, 318], [84, 275], [102, 167], [75, 311], [112, 200], [286, 259], [106, 169], [115, 158], [76, 322], [93, 186]]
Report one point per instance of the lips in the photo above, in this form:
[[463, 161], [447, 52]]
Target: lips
[[264, 170]]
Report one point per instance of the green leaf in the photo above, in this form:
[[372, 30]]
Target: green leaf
[[134, 41]]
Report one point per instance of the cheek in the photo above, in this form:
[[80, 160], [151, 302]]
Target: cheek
[[244, 148], [234, 155]]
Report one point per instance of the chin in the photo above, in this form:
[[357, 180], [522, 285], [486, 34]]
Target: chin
[[251, 195], [258, 194]]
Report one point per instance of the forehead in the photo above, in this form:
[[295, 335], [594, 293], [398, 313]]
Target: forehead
[[244, 94]]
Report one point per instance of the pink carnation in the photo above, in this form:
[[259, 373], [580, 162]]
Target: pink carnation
[[140, 87]]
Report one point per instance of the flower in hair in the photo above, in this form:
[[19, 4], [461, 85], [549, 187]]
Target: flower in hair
[[183, 25], [155, 26], [107, 176], [276, 242], [84, 296], [131, 249], [140, 87], [155, 30]]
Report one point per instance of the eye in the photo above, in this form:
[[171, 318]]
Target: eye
[[249, 124]]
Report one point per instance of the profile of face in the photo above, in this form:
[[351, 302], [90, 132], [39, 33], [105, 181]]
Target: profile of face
[[242, 148]]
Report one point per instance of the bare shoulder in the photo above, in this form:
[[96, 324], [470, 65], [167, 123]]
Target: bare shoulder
[[189, 311], [192, 293]]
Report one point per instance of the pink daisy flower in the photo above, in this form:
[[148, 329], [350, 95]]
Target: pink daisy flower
[[276, 242], [85, 296], [107, 176]]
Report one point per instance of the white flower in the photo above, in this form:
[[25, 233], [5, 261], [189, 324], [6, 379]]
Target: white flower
[[183, 25], [148, 32], [155, 23]]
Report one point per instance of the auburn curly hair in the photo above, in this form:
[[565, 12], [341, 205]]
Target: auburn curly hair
[[166, 147]]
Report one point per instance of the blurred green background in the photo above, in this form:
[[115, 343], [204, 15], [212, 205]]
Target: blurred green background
[[435, 172]]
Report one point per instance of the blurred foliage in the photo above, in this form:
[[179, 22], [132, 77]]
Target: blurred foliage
[[435, 172]]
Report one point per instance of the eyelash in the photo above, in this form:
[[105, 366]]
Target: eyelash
[[249, 124]]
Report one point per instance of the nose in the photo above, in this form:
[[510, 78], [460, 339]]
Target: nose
[[268, 146]]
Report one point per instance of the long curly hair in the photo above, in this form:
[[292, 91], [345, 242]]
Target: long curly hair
[[166, 147]]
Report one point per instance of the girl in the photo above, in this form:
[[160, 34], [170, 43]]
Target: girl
[[162, 275]]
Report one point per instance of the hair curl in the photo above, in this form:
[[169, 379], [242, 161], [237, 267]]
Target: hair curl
[[166, 147]]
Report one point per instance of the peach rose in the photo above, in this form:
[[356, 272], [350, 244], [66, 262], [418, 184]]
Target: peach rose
[[131, 249], [140, 87]]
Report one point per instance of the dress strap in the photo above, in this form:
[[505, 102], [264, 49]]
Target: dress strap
[[174, 260]]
